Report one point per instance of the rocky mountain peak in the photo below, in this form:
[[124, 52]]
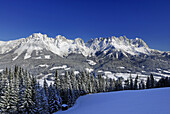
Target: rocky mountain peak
[[60, 37], [37, 35], [79, 41], [139, 43]]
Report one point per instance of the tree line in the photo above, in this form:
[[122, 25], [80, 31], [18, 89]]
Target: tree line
[[20, 92]]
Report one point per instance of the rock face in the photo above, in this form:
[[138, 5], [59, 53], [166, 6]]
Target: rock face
[[39, 53]]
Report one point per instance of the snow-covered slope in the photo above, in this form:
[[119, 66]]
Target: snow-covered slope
[[152, 101], [63, 47]]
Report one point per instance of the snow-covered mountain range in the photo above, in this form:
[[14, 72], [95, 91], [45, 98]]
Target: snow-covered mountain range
[[63, 47], [42, 55]]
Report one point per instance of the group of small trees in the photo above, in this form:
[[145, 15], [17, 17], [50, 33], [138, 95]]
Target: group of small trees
[[21, 93]]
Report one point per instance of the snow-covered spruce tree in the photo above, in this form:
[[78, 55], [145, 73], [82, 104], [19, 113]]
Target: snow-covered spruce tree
[[118, 84], [152, 81], [71, 97], [68, 97], [66, 86], [62, 89], [53, 100], [1, 88], [136, 83], [28, 104], [13, 94], [167, 81], [148, 83], [84, 83], [44, 108], [126, 85], [103, 85], [107, 84], [66, 94], [100, 83], [4, 98], [16, 89], [94, 90], [57, 83], [68, 89], [45, 87], [161, 82], [142, 84], [38, 103], [21, 89], [131, 83], [35, 95], [96, 84], [89, 84], [80, 85], [75, 85], [112, 85]]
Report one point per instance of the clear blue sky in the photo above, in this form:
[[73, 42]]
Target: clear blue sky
[[146, 19]]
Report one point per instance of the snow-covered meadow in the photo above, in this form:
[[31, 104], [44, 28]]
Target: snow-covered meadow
[[150, 101]]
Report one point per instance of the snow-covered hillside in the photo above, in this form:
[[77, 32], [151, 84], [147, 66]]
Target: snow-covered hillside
[[151, 101]]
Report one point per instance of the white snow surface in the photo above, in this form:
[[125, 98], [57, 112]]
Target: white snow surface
[[100, 71], [165, 75], [37, 58], [41, 81], [168, 72], [63, 47], [76, 72], [121, 67], [44, 65], [89, 70], [150, 101], [59, 67], [1, 70], [91, 62], [47, 57]]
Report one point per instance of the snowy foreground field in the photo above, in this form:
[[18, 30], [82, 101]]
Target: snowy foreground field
[[151, 101]]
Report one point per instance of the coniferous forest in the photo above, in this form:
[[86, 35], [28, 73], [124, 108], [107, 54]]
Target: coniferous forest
[[20, 92]]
